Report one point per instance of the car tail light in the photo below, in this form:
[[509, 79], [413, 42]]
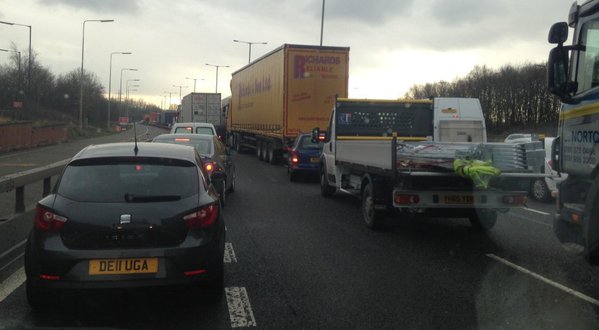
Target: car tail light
[[46, 220], [209, 167], [294, 158], [406, 199], [50, 277], [195, 272], [202, 218], [515, 199]]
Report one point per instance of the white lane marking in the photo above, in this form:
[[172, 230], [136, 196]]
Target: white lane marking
[[240, 310], [531, 220], [12, 283], [535, 211], [546, 280], [11, 262], [229, 254]]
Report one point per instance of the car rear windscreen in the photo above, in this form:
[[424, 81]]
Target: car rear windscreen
[[306, 143], [203, 146], [112, 180], [204, 130]]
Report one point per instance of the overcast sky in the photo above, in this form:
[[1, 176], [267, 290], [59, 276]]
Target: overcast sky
[[393, 43]]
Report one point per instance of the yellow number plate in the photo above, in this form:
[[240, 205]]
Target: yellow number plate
[[458, 199], [123, 266]]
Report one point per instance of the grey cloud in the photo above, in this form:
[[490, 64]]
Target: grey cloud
[[106, 6], [372, 12], [458, 12]]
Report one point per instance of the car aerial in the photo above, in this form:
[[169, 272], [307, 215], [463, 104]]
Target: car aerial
[[215, 156], [303, 156], [193, 128], [127, 215], [543, 189]]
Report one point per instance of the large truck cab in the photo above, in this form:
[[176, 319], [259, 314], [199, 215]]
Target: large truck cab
[[573, 76]]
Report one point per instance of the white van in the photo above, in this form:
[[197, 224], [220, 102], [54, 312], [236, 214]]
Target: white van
[[458, 120], [193, 128]]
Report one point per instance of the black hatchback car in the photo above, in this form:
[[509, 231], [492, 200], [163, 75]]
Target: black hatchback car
[[125, 215], [215, 156]]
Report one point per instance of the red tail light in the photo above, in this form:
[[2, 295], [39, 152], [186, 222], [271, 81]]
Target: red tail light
[[46, 220], [209, 167], [202, 218], [50, 277], [515, 199], [294, 158], [406, 199]]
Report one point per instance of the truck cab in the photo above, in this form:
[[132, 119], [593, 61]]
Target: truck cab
[[573, 76]]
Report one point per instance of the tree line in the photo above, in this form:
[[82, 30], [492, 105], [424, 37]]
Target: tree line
[[53, 98], [511, 96]]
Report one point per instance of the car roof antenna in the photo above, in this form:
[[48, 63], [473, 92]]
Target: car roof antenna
[[136, 149]]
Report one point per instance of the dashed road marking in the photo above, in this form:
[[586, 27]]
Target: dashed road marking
[[229, 254], [546, 280], [18, 164], [12, 283], [240, 310], [535, 211]]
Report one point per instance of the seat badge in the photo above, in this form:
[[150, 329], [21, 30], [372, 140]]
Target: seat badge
[[125, 219]]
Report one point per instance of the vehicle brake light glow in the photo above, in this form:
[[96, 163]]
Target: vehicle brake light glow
[[195, 272], [294, 158], [182, 140], [321, 137], [202, 218], [209, 167], [138, 167], [49, 277], [188, 128], [515, 199], [404, 199], [46, 220]]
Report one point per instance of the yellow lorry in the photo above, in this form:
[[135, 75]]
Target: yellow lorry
[[287, 91]]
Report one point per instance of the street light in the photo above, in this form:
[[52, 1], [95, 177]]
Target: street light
[[322, 23], [250, 43], [121, 85], [180, 99], [194, 82], [217, 66], [110, 85], [81, 76], [127, 95], [170, 99], [29, 65]]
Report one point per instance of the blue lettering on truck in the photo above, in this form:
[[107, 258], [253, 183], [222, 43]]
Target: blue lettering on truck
[[585, 136]]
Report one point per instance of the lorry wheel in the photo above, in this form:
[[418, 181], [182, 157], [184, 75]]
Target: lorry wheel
[[236, 145], [325, 189], [482, 219], [258, 149], [539, 190], [272, 159], [264, 151], [373, 218]]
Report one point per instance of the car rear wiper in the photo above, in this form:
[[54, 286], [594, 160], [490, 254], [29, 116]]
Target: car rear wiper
[[130, 198]]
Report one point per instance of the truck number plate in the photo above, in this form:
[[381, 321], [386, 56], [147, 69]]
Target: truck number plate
[[458, 199]]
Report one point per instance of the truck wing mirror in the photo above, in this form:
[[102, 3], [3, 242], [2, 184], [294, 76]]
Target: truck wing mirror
[[558, 34], [557, 74], [555, 154]]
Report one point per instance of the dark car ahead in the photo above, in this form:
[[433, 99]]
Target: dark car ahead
[[304, 156], [215, 156], [122, 218]]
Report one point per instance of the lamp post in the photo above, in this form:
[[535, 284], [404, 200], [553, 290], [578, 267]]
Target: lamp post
[[121, 85], [29, 59], [180, 87], [322, 23], [217, 66], [169, 99], [110, 85], [194, 82], [81, 76], [127, 95], [250, 43]]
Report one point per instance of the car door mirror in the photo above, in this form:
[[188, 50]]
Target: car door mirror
[[315, 134], [558, 73]]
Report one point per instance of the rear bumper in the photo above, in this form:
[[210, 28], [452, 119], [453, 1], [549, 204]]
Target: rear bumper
[[459, 199]]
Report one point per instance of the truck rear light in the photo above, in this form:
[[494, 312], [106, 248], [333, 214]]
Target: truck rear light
[[294, 157], [404, 199], [202, 218], [46, 220], [515, 199]]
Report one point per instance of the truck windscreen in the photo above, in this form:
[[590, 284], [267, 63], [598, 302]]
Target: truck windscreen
[[407, 119]]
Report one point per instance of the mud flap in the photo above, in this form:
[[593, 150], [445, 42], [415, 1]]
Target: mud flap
[[590, 225]]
